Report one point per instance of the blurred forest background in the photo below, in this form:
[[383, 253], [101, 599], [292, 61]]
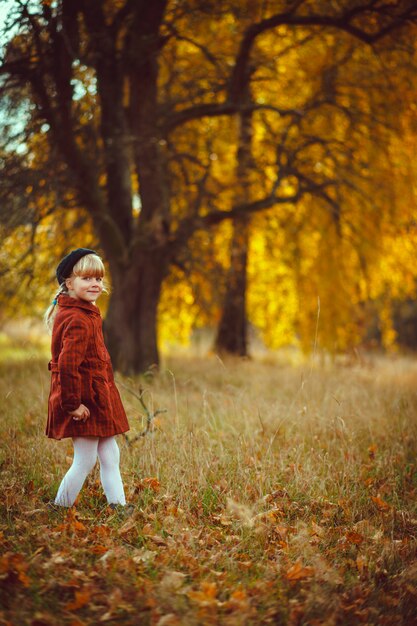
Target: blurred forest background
[[246, 167]]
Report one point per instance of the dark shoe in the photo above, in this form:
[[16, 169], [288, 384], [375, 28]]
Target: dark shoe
[[123, 509], [51, 506]]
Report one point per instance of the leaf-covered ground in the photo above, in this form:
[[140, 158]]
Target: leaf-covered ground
[[266, 494]]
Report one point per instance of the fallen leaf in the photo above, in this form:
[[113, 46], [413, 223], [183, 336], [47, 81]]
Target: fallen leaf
[[172, 581], [99, 549], [239, 595], [380, 503], [13, 568], [127, 526], [157, 539], [106, 617], [206, 595], [142, 555], [317, 530], [151, 483], [81, 598], [42, 619], [169, 620], [78, 526], [282, 531], [354, 537], [148, 529], [298, 571], [361, 563], [33, 512], [278, 493], [101, 531]]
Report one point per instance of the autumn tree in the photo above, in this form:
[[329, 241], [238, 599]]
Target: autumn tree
[[348, 104], [122, 93]]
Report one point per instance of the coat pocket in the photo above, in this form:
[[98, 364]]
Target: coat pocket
[[86, 388], [106, 365], [101, 392]]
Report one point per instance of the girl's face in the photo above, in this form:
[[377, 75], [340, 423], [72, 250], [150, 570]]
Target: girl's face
[[86, 288]]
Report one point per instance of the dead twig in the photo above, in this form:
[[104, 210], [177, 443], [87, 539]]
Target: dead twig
[[150, 415]]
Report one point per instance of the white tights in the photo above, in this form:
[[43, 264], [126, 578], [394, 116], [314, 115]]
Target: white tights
[[86, 450]]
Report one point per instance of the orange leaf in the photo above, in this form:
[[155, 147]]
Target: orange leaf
[[30, 487], [13, 566], [99, 549], [317, 530], [149, 483], [298, 571], [209, 588], [361, 563], [282, 530], [239, 595], [101, 531], [380, 503], [148, 529], [82, 597], [206, 595], [23, 578], [354, 537]]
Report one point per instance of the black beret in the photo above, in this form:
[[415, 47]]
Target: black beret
[[64, 268]]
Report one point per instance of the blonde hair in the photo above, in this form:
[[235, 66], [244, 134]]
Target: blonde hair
[[88, 265]]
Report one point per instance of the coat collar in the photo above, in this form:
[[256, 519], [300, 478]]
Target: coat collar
[[67, 301]]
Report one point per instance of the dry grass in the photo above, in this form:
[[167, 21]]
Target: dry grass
[[267, 493]]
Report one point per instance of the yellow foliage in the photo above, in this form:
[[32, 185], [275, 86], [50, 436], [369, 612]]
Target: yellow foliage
[[177, 312], [314, 266]]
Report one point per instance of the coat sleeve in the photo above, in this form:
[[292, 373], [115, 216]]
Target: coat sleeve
[[74, 345]]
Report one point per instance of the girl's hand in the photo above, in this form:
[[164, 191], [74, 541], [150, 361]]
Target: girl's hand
[[81, 414]]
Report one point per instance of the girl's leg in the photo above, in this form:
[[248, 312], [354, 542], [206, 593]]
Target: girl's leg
[[85, 457], [109, 456]]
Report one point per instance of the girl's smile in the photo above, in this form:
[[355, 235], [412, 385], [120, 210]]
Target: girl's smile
[[86, 288]]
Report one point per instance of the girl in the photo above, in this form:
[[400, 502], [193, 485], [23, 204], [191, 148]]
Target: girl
[[84, 402]]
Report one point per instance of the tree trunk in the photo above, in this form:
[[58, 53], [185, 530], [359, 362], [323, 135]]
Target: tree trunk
[[131, 321], [232, 331]]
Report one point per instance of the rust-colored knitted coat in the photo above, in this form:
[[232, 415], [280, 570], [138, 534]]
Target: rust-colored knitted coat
[[82, 374]]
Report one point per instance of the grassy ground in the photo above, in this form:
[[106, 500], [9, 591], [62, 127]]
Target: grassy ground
[[266, 494]]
